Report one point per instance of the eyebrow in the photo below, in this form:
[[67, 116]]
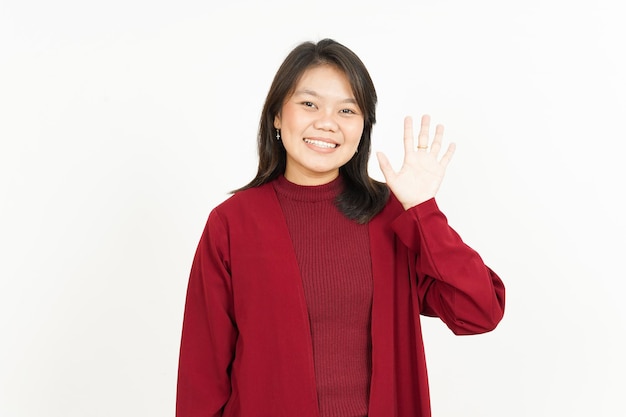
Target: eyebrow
[[314, 94]]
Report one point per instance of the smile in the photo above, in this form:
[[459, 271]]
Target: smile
[[320, 143]]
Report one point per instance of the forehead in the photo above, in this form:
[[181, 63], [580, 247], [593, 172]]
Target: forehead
[[325, 80]]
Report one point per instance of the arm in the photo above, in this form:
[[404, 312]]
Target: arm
[[453, 282], [209, 332]]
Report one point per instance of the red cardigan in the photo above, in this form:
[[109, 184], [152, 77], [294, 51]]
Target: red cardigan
[[246, 344]]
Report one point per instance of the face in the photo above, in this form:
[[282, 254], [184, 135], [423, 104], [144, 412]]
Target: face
[[320, 126]]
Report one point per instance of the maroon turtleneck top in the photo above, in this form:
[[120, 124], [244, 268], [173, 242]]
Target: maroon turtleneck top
[[333, 254]]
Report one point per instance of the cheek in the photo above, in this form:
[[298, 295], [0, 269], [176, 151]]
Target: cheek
[[288, 117], [355, 132]]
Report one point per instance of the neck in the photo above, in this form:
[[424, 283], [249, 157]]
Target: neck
[[300, 178]]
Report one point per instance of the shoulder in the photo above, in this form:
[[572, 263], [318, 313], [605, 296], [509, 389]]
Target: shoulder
[[248, 202], [392, 209], [247, 217]]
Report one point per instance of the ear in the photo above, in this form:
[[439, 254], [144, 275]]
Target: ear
[[277, 121]]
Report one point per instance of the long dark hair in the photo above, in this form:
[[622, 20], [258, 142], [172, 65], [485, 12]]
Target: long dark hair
[[362, 197]]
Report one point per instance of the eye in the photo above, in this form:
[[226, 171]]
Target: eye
[[347, 111], [308, 104]]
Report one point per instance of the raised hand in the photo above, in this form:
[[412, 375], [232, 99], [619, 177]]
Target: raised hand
[[422, 171]]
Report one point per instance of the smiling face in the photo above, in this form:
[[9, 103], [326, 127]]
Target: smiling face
[[320, 126]]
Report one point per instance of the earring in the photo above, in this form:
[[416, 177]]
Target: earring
[[277, 134]]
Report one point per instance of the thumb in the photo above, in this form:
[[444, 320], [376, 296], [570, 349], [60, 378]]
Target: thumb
[[385, 166]]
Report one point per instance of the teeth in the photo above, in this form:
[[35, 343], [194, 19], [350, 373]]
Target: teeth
[[320, 143]]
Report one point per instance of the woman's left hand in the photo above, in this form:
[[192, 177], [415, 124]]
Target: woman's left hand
[[422, 171]]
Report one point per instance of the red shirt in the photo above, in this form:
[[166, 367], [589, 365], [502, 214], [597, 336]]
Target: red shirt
[[333, 255], [246, 347]]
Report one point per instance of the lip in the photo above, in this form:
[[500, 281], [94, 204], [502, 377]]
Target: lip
[[320, 139]]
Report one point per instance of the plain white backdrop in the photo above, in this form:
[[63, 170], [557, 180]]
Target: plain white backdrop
[[122, 123]]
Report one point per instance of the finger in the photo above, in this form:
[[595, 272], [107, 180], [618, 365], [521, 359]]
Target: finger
[[447, 157], [435, 147], [408, 135], [385, 166], [422, 138]]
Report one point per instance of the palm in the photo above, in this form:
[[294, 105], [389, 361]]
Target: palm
[[422, 171]]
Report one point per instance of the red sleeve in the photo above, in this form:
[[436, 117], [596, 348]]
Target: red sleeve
[[209, 332], [453, 282]]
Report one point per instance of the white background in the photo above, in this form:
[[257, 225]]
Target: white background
[[122, 123]]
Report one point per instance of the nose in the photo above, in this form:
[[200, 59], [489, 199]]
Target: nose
[[326, 121]]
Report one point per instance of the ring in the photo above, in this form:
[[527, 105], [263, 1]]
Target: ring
[[422, 147]]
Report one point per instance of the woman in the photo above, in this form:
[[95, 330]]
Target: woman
[[306, 290]]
